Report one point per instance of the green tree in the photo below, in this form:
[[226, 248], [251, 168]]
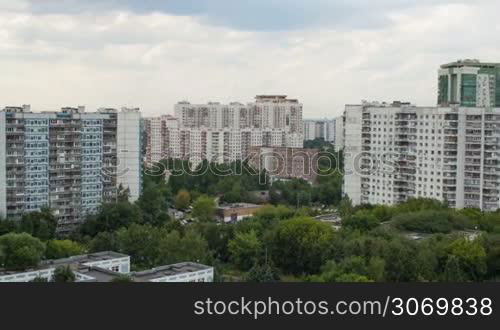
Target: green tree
[[182, 199], [7, 226], [353, 278], [141, 243], [262, 274], [153, 203], [104, 241], [345, 208], [300, 245], [63, 274], [401, 264], [329, 189], [490, 222], [122, 279], [236, 194], [362, 220], [432, 221], [270, 213], [204, 208], [174, 248], [20, 251], [245, 250], [58, 249], [470, 256], [492, 247], [111, 217], [42, 224], [217, 237]]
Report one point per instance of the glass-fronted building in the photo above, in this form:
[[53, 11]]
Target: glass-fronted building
[[469, 83]]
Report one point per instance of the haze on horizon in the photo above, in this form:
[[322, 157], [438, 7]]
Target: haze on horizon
[[152, 53]]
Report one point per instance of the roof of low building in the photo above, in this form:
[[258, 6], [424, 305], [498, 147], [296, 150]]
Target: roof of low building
[[170, 270]]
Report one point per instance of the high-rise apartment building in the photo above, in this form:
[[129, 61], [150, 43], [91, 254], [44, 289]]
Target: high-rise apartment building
[[399, 151], [224, 133], [70, 161], [157, 131], [319, 129], [469, 83]]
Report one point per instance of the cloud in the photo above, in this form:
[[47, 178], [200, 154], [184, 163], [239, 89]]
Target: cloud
[[131, 55], [254, 15]]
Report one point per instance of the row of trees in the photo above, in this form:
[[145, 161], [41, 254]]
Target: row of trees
[[419, 215], [19, 251]]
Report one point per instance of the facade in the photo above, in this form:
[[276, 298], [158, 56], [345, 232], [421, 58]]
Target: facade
[[394, 152], [231, 213], [224, 133], [106, 266], [319, 129], [469, 83], [69, 160], [157, 133], [286, 163]]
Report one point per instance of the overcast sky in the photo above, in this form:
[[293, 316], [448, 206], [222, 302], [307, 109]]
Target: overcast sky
[[153, 53]]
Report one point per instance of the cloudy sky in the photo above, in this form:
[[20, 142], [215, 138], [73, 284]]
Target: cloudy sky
[[153, 53]]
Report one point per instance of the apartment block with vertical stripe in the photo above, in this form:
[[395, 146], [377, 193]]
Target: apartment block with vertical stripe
[[69, 160]]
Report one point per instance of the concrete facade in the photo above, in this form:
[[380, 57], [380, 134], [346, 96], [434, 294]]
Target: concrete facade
[[398, 151], [286, 163], [320, 129]]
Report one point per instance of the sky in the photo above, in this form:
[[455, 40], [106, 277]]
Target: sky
[[153, 53]]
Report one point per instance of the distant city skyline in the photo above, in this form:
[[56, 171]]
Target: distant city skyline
[[152, 54]]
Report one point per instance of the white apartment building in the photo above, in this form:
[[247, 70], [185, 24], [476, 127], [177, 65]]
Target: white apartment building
[[106, 266], [399, 151], [319, 129], [224, 133], [70, 161]]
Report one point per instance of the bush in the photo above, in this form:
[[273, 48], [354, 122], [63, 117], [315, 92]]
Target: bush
[[432, 221], [20, 251]]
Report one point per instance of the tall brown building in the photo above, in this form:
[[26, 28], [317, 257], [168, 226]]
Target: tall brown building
[[286, 163]]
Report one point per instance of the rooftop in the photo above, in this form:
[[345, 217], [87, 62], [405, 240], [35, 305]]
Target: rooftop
[[470, 63], [98, 274], [83, 259], [238, 206], [67, 110], [170, 270], [75, 261]]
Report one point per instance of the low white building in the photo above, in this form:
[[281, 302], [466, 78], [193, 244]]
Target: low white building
[[182, 272], [106, 266], [112, 261]]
